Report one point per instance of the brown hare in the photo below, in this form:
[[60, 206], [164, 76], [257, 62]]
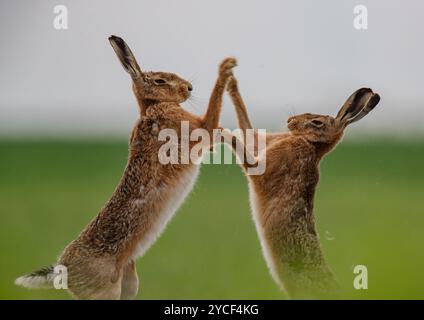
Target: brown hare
[[282, 198], [100, 262]]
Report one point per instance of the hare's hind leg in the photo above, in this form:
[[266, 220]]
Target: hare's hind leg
[[110, 292], [93, 278], [129, 284], [107, 285]]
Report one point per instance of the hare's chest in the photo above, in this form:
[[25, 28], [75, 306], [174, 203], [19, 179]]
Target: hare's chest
[[168, 197]]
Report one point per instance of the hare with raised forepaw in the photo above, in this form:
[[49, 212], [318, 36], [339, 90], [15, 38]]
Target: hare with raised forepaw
[[282, 198], [100, 262]]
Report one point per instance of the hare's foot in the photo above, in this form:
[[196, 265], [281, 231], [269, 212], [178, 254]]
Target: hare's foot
[[99, 289], [129, 285], [226, 68], [93, 278], [232, 85], [110, 292]]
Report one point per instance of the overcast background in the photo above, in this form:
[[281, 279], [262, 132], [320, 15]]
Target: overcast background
[[294, 56]]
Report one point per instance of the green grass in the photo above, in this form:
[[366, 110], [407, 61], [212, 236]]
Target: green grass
[[369, 208]]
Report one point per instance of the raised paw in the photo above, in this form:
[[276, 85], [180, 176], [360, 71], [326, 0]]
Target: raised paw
[[226, 66], [232, 84]]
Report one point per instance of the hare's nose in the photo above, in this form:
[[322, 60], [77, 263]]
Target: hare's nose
[[189, 87]]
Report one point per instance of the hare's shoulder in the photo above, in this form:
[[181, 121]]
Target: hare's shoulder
[[291, 156], [288, 147]]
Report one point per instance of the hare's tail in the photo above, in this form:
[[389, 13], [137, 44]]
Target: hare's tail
[[42, 278]]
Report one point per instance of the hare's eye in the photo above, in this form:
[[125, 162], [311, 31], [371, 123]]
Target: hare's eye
[[159, 81], [317, 123]]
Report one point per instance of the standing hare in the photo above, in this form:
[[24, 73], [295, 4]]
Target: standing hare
[[282, 198], [100, 262]]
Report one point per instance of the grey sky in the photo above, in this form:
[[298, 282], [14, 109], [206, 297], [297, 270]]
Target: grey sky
[[294, 56]]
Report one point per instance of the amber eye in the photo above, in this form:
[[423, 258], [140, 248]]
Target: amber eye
[[159, 81], [317, 123]]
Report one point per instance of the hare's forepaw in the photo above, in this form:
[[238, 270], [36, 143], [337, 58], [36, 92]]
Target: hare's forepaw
[[226, 68], [232, 84]]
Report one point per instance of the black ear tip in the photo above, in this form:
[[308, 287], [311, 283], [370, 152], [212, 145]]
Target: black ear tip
[[115, 39], [375, 99], [363, 91]]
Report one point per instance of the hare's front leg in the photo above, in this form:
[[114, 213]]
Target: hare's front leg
[[129, 285], [211, 118], [246, 158], [243, 119], [242, 114], [241, 110]]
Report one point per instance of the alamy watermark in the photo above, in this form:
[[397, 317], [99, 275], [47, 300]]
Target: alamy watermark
[[187, 146], [60, 277], [360, 20], [60, 21], [360, 282]]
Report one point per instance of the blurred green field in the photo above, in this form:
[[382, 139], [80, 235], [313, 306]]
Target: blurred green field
[[369, 208]]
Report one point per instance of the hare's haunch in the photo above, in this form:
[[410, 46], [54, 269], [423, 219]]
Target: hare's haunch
[[282, 198], [100, 261]]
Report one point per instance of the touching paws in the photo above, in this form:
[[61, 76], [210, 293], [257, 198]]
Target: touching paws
[[232, 85], [226, 67]]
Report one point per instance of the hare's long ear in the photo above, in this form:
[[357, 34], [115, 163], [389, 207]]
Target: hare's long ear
[[372, 102], [126, 57], [359, 104]]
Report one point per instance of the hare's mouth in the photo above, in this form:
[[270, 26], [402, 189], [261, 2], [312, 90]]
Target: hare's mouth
[[291, 123], [187, 95], [185, 92], [184, 96]]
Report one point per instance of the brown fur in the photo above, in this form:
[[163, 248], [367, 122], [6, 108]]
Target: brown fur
[[283, 197], [100, 260]]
